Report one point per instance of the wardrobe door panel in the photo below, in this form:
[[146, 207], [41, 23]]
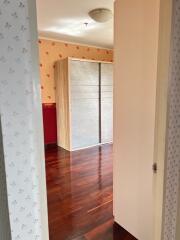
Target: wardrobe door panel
[[84, 103], [106, 102]]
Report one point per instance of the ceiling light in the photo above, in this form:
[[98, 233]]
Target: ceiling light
[[101, 14], [86, 24]]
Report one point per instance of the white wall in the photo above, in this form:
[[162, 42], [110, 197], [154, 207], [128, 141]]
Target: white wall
[[20, 109]]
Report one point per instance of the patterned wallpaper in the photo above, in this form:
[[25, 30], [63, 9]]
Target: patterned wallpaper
[[173, 133], [21, 118], [52, 51]]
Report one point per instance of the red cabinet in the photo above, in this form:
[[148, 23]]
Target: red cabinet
[[50, 123]]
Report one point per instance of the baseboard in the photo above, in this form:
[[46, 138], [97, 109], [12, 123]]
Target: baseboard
[[50, 145], [117, 228], [92, 146]]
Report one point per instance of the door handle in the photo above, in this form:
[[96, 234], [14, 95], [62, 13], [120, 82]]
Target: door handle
[[154, 168]]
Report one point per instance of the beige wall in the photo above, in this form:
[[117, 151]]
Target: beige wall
[[51, 51], [136, 52]]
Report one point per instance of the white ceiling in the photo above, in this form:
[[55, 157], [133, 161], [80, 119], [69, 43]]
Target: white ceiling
[[64, 20]]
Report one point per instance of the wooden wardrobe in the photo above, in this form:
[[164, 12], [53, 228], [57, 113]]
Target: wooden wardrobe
[[84, 103]]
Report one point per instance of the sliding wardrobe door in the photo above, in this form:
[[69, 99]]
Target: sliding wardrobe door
[[84, 109], [106, 102]]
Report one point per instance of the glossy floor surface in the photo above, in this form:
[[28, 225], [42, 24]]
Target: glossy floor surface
[[79, 188]]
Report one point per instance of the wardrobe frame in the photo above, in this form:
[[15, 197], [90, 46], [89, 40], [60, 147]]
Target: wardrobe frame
[[63, 102]]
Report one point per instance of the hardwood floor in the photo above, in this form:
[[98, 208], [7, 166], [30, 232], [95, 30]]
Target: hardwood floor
[[79, 188]]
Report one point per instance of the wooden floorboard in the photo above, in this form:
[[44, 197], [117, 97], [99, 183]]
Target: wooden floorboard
[[79, 191]]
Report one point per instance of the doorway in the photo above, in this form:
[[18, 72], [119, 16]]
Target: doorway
[[76, 70], [78, 129]]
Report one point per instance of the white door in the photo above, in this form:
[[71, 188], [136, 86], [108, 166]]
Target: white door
[[137, 190]]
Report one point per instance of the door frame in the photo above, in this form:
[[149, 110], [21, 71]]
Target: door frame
[[163, 69], [160, 151]]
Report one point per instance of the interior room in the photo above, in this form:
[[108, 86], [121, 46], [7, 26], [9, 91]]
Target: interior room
[[89, 125], [76, 72]]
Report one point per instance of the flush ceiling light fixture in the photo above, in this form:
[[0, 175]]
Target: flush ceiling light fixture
[[101, 14]]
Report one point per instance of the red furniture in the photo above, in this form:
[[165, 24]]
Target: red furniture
[[50, 123]]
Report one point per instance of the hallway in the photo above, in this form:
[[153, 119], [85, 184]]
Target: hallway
[[79, 186]]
